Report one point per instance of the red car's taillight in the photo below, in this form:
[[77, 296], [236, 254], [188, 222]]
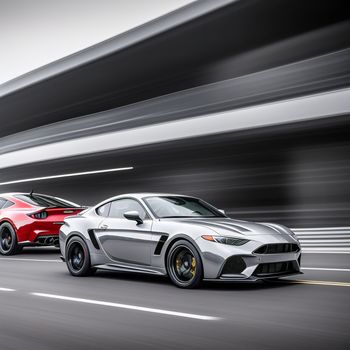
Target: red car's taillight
[[39, 215]]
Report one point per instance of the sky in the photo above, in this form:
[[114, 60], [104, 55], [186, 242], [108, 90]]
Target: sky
[[36, 32]]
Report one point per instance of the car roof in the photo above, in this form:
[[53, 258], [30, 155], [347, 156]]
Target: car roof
[[11, 194], [141, 195]]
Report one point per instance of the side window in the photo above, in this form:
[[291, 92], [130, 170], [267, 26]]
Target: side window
[[103, 210], [2, 202], [7, 204], [121, 206]]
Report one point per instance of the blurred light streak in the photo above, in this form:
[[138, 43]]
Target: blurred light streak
[[311, 107], [253, 89], [7, 290], [92, 172], [114, 44]]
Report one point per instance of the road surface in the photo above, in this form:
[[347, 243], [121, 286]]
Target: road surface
[[43, 307]]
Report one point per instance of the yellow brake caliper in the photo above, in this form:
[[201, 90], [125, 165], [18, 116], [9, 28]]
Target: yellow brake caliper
[[178, 264], [193, 266]]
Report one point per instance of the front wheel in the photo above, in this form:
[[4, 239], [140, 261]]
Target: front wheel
[[78, 258], [184, 265], [8, 240]]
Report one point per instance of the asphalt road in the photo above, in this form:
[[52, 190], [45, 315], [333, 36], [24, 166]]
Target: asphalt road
[[126, 311]]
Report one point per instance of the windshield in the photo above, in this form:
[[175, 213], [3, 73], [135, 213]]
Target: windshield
[[46, 201], [180, 207]]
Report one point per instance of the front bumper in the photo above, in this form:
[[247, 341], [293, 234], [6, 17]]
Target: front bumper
[[247, 262], [266, 271], [263, 267]]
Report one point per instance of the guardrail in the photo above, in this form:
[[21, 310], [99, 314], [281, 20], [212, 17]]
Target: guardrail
[[324, 239]]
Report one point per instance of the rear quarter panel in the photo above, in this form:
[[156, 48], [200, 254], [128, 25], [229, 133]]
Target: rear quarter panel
[[79, 226], [19, 220]]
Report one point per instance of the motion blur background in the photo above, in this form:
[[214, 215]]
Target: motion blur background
[[243, 103]]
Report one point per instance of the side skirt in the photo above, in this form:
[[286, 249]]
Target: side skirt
[[123, 268]]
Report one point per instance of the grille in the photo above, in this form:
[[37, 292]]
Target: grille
[[277, 248], [233, 265], [279, 268]]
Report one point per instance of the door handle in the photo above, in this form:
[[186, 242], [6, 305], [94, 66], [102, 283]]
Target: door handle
[[104, 227]]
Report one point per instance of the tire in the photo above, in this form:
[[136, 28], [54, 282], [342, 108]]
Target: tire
[[184, 265], [8, 240], [78, 258]]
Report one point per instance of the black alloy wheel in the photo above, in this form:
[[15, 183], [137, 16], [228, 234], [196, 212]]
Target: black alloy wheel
[[8, 240], [78, 258], [184, 265]]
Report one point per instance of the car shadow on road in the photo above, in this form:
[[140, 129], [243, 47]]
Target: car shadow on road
[[246, 286], [29, 251], [205, 285]]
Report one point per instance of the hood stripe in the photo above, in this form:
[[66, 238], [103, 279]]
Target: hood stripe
[[243, 229], [218, 225]]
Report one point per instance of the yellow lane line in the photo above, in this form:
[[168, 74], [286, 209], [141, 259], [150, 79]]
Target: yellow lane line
[[322, 283]]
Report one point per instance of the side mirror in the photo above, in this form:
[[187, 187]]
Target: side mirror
[[133, 215], [222, 211]]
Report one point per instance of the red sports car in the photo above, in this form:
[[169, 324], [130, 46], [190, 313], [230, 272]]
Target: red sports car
[[31, 219]]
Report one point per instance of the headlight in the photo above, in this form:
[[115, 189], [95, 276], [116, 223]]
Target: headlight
[[226, 240]]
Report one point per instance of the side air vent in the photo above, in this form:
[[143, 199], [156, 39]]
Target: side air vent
[[233, 265], [93, 239], [277, 248], [160, 244]]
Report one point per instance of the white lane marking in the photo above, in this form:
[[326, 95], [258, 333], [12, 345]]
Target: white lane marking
[[325, 104], [130, 307], [7, 289], [324, 269], [35, 260], [92, 172]]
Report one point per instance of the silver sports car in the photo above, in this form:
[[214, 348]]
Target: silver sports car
[[175, 235]]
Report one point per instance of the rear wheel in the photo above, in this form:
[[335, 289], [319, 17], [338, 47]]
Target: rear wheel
[[184, 265], [8, 240], [78, 258]]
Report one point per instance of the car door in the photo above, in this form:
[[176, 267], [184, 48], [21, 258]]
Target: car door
[[125, 241]]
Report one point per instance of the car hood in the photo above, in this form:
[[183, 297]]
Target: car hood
[[231, 227]]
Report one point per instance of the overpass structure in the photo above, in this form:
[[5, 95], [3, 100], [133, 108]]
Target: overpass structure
[[244, 103]]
